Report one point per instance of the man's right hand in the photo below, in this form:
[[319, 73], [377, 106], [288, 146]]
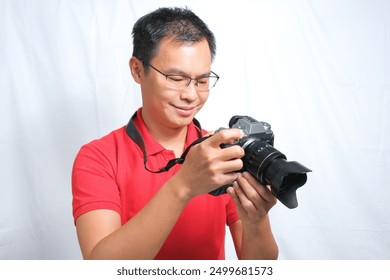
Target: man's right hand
[[207, 166]]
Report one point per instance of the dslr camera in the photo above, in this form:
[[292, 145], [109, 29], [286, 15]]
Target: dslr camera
[[268, 165]]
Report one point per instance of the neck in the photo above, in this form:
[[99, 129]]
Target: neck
[[171, 138]]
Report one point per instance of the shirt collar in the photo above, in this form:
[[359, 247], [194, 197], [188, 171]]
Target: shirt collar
[[151, 145]]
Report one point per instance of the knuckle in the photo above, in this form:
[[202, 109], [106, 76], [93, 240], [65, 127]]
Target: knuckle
[[248, 205], [252, 196], [222, 133], [218, 180]]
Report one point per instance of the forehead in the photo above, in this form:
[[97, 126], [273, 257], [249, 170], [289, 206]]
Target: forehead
[[190, 57]]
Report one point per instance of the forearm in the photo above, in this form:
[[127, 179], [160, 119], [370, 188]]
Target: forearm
[[143, 236], [258, 241]]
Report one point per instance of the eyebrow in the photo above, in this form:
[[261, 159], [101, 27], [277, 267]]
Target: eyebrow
[[176, 71]]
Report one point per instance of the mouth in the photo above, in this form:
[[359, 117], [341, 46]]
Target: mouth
[[186, 111]]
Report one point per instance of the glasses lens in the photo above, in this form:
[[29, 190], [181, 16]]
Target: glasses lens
[[177, 82], [181, 82], [212, 82], [204, 83]]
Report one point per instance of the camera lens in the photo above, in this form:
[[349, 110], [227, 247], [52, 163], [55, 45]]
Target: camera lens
[[265, 163], [271, 167]]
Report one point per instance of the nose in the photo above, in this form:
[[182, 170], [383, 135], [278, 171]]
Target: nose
[[191, 91]]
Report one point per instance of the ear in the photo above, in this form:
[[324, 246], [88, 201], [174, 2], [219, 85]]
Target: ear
[[136, 68]]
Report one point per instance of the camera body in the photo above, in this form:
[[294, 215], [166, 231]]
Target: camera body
[[268, 165], [253, 130]]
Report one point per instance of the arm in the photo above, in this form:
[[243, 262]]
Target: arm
[[207, 166], [101, 235], [252, 235]]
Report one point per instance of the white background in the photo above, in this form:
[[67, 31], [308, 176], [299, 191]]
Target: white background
[[317, 71]]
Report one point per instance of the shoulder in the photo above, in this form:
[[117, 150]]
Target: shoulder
[[105, 149], [107, 142]]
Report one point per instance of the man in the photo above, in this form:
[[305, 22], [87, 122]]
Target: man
[[124, 207]]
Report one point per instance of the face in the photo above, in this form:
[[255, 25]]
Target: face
[[168, 108]]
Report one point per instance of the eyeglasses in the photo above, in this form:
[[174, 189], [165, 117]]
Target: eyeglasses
[[180, 82]]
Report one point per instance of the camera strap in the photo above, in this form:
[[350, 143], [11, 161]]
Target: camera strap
[[135, 135]]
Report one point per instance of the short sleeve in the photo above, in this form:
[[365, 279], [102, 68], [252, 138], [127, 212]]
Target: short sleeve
[[231, 213], [93, 182]]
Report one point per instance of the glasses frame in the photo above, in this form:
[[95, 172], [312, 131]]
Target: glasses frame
[[188, 78]]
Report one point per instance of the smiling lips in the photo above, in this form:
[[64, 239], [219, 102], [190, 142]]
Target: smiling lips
[[185, 111]]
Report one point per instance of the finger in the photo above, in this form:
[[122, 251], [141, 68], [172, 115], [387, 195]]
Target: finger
[[244, 201], [230, 190], [262, 190], [232, 155], [233, 194], [211, 132], [249, 193], [231, 165], [229, 178], [226, 136], [230, 152]]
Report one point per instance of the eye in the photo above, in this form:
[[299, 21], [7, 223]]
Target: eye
[[203, 80], [177, 78]]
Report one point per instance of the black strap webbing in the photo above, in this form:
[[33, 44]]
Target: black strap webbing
[[134, 134]]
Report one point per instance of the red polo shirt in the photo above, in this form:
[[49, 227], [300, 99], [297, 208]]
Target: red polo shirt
[[109, 173]]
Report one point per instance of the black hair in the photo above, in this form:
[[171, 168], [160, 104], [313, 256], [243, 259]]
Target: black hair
[[181, 24]]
